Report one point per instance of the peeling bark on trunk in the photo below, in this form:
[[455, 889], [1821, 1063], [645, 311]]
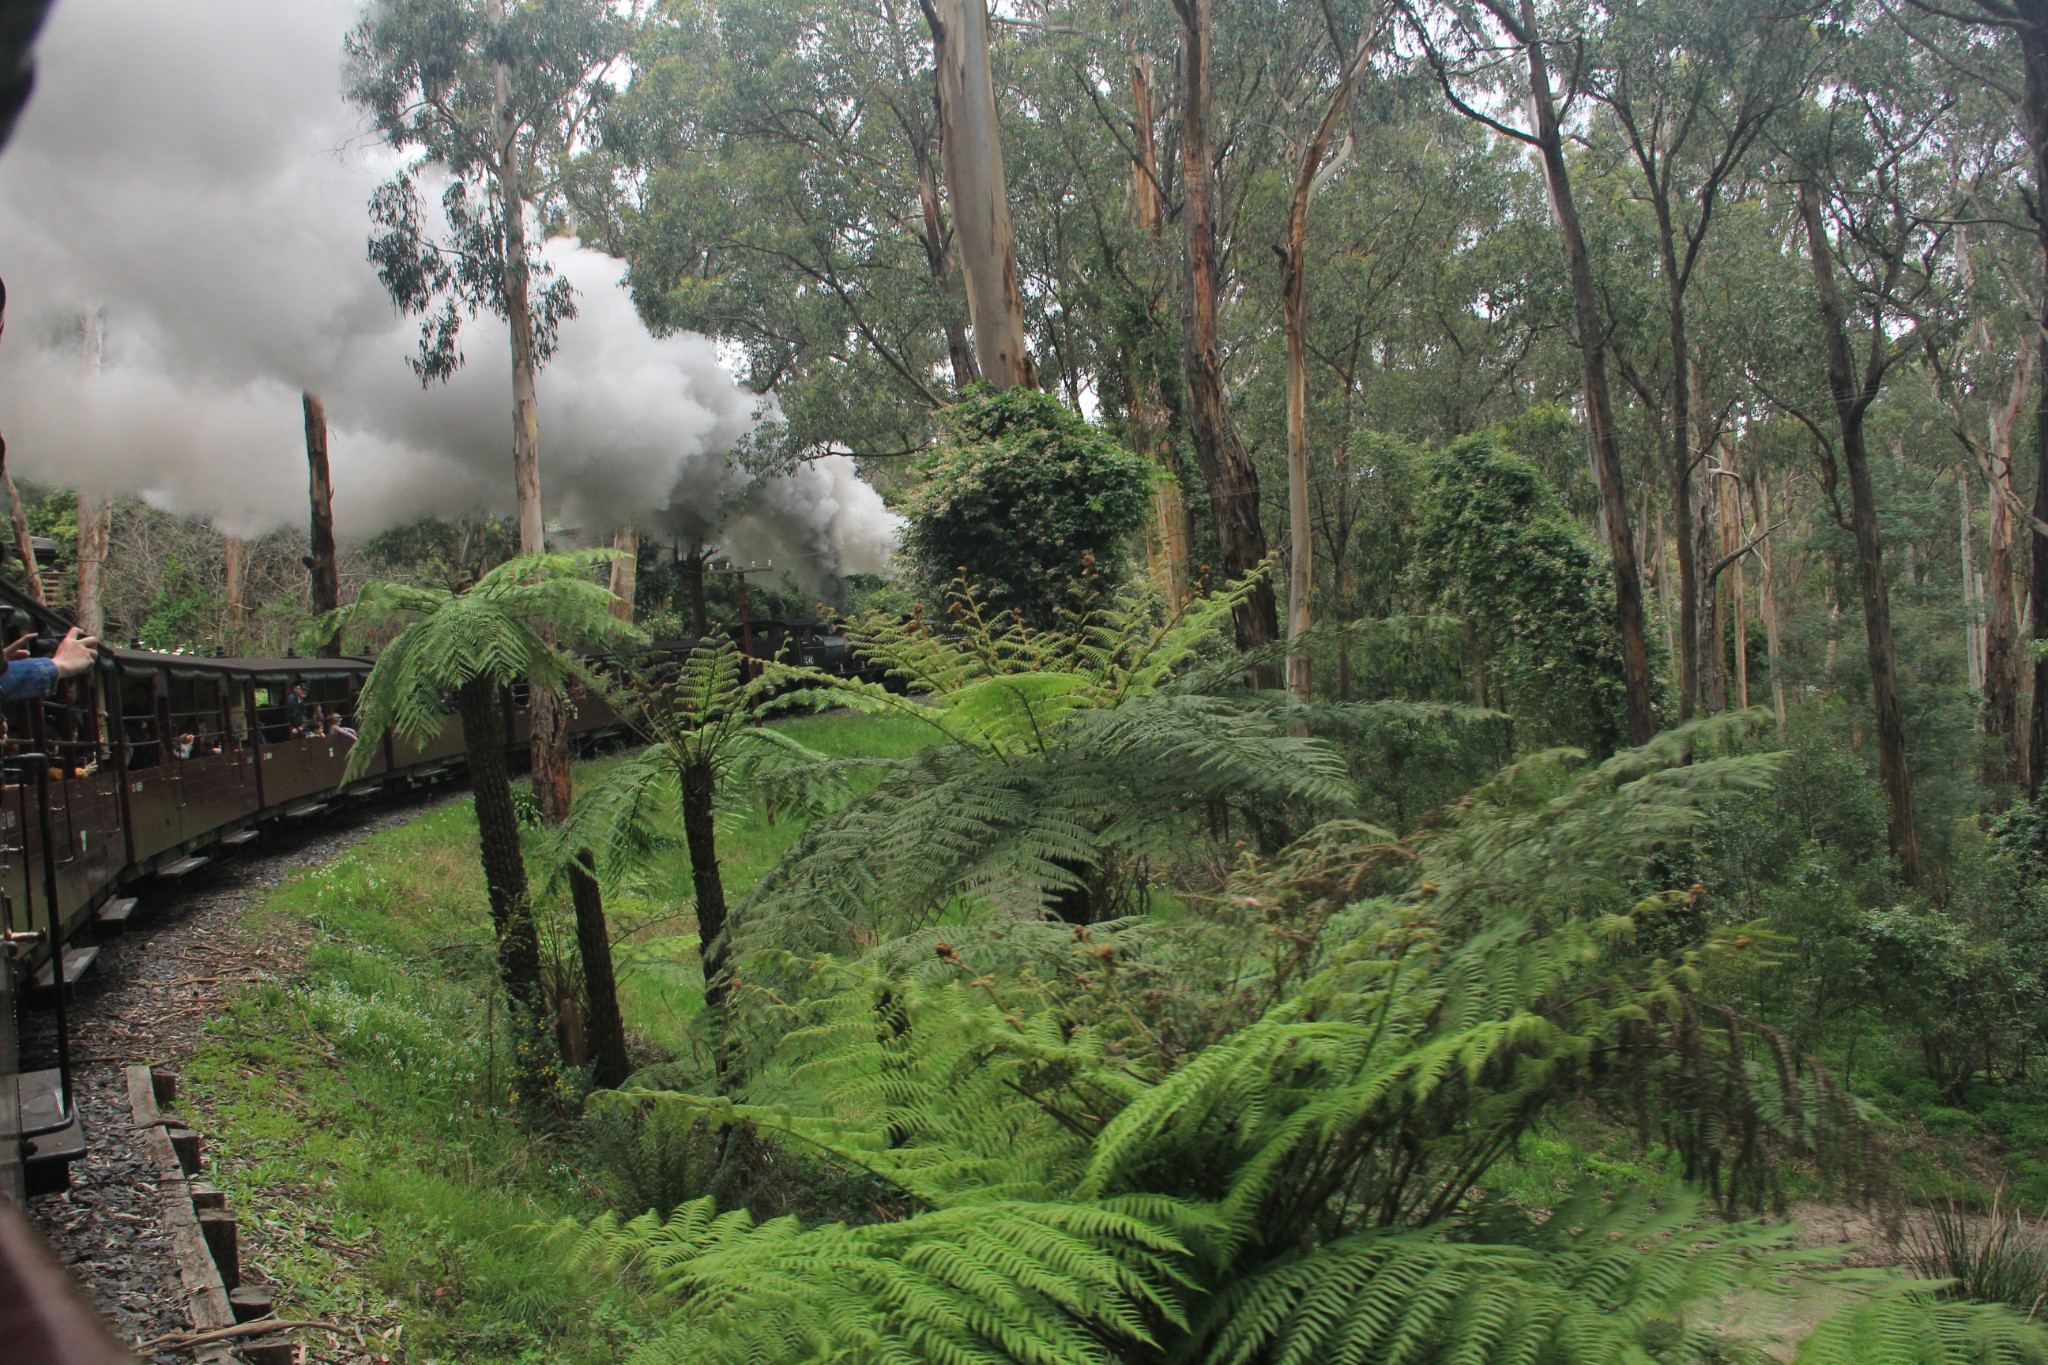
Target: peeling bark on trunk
[[95, 530], [95, 510], [1150, 424], [324, 582], [938, 241], [971, 146]]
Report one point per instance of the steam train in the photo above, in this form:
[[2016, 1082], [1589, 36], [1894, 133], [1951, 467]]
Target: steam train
[[153, 765]]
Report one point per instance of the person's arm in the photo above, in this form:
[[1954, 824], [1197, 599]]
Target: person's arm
[[28, 680]]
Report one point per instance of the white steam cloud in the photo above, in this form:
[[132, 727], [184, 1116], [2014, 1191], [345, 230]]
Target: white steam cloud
[[189, 168]]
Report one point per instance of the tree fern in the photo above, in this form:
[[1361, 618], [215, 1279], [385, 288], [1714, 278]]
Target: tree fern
[[1062, 755], [1309, 1186]]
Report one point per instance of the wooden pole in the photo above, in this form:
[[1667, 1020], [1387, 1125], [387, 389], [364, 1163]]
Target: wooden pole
[[325, 594]]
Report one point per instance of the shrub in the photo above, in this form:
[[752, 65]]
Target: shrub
[[1027, 499]]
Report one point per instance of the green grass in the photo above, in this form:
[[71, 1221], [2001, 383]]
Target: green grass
[[359, 1117]]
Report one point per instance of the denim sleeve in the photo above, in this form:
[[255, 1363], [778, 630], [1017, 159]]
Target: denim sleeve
[[28, 680]]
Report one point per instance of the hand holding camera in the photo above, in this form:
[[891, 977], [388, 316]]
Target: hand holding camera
[[73, 653]]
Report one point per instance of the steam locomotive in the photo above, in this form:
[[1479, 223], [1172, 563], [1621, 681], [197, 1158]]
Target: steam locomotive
[[152, 766]]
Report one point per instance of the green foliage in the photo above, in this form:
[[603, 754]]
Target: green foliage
[[1498, 548], [441, 553], [436, 77], [182, 616], [1305, 1187], [702, 722], [1027, 501], [510, 625], [1065, 756]]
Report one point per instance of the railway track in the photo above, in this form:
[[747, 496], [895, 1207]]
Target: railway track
[[147, 999]]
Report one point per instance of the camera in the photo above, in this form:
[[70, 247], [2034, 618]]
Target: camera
[[14, 623]]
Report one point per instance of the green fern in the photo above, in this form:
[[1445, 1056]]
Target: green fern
[[1064, 755], [505, 628], [1308, 1187]]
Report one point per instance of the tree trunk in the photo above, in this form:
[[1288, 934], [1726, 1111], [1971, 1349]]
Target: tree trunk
[[497, 827], [1591, 339], [545, 708], [1738, 596], [1226, 465], [1973, 630], [1684, 457], [1293, 251], [2033, 36], [690, 570], [325, 587], [1851, 400], [95, 510], [971, 145], [24, 543], [939, 260], [236, 551], [1767, 601], [1711, 670], [609, 1065], [625, 571], [2002, 642], [95, 530], [700, 834], [1167, 541]]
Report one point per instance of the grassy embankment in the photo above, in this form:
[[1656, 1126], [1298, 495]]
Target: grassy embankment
[[356, 1115]]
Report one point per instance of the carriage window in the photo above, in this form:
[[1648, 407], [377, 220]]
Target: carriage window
[[67, 726], [194, 719], [140, 740]]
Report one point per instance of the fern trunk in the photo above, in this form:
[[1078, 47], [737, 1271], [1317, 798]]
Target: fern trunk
[[609, 1064], [504, 865], [699, 788]]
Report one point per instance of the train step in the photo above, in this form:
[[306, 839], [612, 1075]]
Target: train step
[[185, 866], [51, 1141], [77, 961], [304, 809], [116, 913], [240, 838]]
